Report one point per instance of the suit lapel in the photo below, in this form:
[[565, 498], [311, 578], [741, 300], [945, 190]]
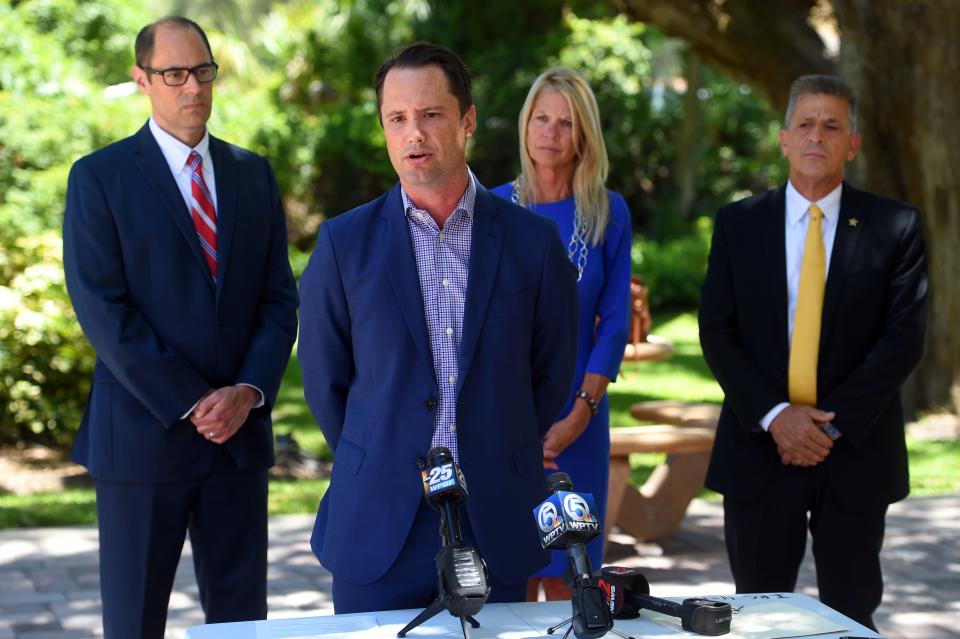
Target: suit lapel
[[401, 266], [226, 178], [841, 258], [156, 172], [773, 239], [484, 260]]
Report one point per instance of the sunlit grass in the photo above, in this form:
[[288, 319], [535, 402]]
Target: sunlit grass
[[60, 508], [684, 376], [79, 506], [934, 467], [289, 496]]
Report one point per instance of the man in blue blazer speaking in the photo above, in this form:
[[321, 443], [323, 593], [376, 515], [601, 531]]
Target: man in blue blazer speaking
[[435, 315], [175, 252]]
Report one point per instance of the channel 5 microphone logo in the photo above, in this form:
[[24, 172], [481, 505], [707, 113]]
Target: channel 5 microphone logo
[[576, 508], [547, 517]]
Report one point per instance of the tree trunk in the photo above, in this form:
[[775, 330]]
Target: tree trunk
[[903, 59], [688, 148]]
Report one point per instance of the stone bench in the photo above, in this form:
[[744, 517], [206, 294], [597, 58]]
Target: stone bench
[[655, 510], [669, 411]]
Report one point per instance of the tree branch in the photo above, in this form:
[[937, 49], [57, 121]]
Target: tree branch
[[764, 44]]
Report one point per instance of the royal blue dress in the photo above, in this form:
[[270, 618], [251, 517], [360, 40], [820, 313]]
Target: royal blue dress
[[604, 324]]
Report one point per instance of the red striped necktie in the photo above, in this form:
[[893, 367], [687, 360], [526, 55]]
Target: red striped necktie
[[202, 211]]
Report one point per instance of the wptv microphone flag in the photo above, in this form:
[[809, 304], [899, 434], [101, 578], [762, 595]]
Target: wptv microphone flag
[[570, 516]]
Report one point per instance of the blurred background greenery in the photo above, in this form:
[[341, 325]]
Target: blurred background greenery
[[296, 86]]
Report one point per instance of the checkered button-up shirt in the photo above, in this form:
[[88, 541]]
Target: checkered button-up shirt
[[443, 264]]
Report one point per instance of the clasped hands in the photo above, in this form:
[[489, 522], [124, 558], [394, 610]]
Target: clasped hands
[[800, 442], [222, 412]]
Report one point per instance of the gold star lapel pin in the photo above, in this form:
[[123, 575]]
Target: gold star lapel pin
[[853, 222]]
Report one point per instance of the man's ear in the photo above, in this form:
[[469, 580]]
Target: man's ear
[[139, 78], [854, 146], [470, 120]]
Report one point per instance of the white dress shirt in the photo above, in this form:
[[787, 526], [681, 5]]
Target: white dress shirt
[[795, 232], [176, 154]]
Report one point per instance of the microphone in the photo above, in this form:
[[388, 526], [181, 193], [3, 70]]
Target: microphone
[[461, 573], [567, 520], [445, 488], [628, 591]]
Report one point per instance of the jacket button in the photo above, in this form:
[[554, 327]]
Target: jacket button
[[430, 403], [421, 463]]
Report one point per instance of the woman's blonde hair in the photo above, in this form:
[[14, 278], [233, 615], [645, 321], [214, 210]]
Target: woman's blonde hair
[[590, 172]]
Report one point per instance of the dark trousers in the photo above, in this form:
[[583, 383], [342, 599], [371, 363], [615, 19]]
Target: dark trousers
[[142, 530], [411, 582], [766, 540]]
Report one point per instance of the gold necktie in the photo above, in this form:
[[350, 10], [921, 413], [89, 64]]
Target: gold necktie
[[805, 346]]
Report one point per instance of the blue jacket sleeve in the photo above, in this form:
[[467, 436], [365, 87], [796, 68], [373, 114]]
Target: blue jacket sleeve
[[613, 303], [324, 349], [276, 324]]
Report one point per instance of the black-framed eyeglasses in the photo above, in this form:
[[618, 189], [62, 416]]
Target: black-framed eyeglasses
[[177, 76]]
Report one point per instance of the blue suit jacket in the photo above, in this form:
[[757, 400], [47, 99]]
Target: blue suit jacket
[[369, 380], [163, 330]]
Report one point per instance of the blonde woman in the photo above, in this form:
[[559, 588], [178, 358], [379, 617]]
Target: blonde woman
[[563, 170]]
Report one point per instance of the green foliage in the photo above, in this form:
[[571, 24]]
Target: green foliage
[[296, 85], [45, 362], [322, 131], [96, 35], [56, 59], [506, 45], [673, 269]]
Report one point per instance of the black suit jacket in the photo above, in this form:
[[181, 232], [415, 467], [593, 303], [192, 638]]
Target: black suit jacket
[[871, 337]]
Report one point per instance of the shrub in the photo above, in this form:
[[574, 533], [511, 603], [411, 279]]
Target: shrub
[[45, 361], [674, 269]]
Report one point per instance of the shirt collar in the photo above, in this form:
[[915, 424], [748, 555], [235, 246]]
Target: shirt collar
[[797, 205], [464, 206], [176, 152]]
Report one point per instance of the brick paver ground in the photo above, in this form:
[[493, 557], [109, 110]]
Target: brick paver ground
[[49, 576]]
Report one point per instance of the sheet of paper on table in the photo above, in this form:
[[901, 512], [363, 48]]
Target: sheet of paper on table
[[765, 621], [354, 627]]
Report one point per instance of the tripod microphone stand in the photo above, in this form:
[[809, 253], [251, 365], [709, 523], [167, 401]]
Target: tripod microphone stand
[[461, 575]]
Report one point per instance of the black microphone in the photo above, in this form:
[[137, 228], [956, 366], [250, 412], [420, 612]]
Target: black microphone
[[461, 573], [445, 488], [628, 591], [568, 520]]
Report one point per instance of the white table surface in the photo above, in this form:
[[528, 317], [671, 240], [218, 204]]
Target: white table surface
[[517, 621]]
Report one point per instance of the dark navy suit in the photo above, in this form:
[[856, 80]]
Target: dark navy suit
[[369, 380], [164, 333]]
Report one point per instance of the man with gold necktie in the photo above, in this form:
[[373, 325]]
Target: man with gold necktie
[[812, 315]]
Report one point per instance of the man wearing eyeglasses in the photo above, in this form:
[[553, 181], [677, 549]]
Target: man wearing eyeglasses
[[175, 255]]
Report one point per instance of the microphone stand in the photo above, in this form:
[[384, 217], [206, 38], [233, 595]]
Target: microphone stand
[[449, 531], [580, 583]]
